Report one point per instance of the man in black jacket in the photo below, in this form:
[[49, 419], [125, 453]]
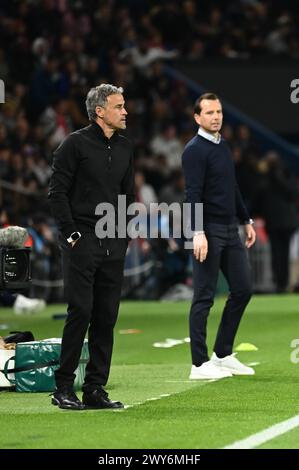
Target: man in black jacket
[[210, 180], [92, 165]]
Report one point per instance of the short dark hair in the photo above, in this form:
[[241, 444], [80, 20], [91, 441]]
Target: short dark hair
[[205, 96]]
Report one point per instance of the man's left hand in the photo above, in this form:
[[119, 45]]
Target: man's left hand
[[251, 235]]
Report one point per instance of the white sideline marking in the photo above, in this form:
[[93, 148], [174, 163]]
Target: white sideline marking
[[163, 395], [266, 435], [194, 381]]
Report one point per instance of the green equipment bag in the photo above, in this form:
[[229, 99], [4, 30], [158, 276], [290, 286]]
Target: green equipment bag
[[36, 362]]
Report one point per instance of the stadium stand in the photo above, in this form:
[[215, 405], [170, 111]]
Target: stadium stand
[[53, 52]]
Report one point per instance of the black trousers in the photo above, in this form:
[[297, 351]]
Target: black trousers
[[225, 252], [93, 278]]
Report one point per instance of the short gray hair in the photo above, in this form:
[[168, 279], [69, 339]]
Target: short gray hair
[[98, 95]]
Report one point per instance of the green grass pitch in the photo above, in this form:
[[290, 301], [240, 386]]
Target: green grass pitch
[[167, 410]]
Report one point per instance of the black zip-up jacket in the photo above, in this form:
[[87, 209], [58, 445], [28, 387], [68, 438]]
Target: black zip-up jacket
[[88, 168]]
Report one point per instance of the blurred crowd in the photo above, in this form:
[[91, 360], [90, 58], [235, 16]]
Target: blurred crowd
[[53, 51]]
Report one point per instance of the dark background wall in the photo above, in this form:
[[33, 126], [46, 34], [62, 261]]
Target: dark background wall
[[260, 90]]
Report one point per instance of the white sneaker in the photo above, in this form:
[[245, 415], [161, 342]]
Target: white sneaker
[[207, 371], [24, 305], [231, 364]]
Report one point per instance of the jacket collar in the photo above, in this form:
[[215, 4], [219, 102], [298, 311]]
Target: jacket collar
[[99, 132]]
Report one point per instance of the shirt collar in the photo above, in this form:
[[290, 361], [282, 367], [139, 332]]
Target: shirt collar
[[101, 134], [210, 137]]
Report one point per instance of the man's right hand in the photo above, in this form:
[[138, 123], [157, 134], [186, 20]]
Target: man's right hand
[[200, 247]]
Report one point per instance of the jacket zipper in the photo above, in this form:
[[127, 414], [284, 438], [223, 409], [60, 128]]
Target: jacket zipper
[[109, 168], [109, 157]]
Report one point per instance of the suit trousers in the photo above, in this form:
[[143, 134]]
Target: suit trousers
[[226, 253], [93, 279]]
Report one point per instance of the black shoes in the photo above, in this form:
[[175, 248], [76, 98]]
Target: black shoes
[[66, 399], [99, 399]]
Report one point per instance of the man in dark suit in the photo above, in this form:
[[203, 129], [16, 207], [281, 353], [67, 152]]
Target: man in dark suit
[[210, 179], [92, 165]]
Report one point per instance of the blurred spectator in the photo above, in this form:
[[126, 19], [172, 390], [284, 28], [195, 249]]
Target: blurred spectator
[[167, 143], [174, 191], [42, 243], [278, 198], [144, 192], [56, 122], [142, 56], [45, 83]]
